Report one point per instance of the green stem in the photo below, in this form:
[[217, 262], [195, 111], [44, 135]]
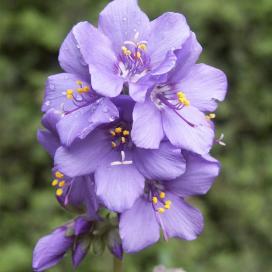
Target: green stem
[[117, 265]]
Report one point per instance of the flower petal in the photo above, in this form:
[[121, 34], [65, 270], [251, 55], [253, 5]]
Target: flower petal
[[187, 56], [198, 178], [55, 92], [168, 32], [70, 57], [147, 131], [165, 163], [138, 227], [49, 141], [181, 220], [50, 249], [118, 186], [84, 156], [121, 20], [79, 123], [204, 86], [197, 138], [96, 50]]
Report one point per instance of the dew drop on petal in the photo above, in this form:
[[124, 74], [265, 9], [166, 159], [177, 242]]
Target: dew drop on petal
[[47, 103], [52, 86], [124, 19]]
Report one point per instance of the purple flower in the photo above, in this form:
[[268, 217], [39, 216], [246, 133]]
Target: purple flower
[[127, 48], [51, 249], [163, 206], [175, 107], [119, 167], [70, 94]]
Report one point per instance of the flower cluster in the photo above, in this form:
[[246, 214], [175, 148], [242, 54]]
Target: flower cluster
[[129, 124]]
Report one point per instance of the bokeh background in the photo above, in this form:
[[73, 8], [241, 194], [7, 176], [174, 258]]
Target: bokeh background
[[237, 38]]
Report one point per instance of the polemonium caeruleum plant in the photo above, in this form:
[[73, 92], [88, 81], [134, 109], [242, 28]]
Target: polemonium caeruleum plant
[[129, 124]]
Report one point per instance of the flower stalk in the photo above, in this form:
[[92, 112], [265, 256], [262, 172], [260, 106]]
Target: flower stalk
[[117, 265]]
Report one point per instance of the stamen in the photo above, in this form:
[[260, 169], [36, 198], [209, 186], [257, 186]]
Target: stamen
[[126, 51], [210, 116], [123, 140], [142, 46], [54, 182], [79, 82], [69, 94], [113, 144], [59, 175], [59, 192], [118, 130], [138, 55], [162, 195], [125, 132], [154, 199], [182, 99], [62, 183], [161, 210], [112, 133]]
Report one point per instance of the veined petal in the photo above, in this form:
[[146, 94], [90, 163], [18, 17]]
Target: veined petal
[[55, 92], [97, 50], [181, 220], [168, 32], [187, 56], [121, 20], [70, 57], [138, 227], [198, 178], [204, 86], [165, 163], [197, 138], [81, 122], [83, 157], [147, 131], [118, 186]]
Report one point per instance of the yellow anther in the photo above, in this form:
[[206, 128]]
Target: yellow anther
[[69, 94], [211, 116], [167, 206], [154, 199], [162, 194], [182, 99], [168, 202], [80, 90], [113, 144], [126, 51], [58, 174], [118, 130], [138, 55], [79, 82], [112, 133], [161, 210], [123, 140], [59, 192], [142, 46], [54, 182], [62, 183], [125, 132], [86, 89]]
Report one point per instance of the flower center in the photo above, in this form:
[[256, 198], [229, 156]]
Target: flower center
[[165, 97], [81, 97], [120, 141], [134, 59], [157, 196]]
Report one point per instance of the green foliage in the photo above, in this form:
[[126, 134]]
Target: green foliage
[[237, 37]]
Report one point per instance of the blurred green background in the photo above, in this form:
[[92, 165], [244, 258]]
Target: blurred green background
[[237, 38]]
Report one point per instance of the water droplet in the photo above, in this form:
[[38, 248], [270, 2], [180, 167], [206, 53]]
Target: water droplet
[[66, 77], [135, 30], [105, 109], [77, 45], [63, 93], [47, 103], [138, 22], [112, 118], [124, 19], [51, 86], [79, 97]]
